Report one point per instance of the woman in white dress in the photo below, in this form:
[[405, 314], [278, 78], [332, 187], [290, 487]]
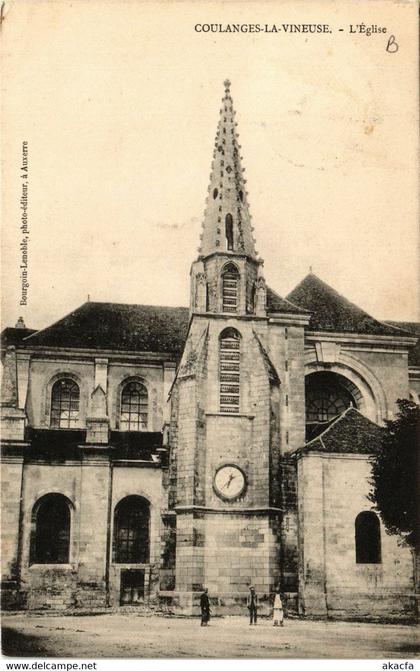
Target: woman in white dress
[[278, 614]]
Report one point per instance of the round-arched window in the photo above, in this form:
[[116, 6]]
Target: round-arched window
[[367, 538], [131, 531], [134, 407], [326, 397], [50, 540], [65, 400]]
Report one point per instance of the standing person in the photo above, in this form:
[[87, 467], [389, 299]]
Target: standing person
[[278, 614], [252, 605], [205, 608]]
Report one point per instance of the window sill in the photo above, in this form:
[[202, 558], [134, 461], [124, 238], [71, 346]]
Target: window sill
[[65, 429], [369, 565], [67, 567], [127, 565], [230, 414]]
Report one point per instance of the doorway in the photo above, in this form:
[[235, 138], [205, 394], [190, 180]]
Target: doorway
[[132, 587]]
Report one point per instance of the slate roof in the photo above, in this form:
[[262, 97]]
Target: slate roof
[[136, 328], [150, 328], [110, 326], [276, 303], [14, 336], [332, 312], [350, 433], [413, 352]]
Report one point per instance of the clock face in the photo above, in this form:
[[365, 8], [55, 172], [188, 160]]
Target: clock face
[[229, 482]]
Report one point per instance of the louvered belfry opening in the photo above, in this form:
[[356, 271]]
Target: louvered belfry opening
[[230, 282], [229, 362]]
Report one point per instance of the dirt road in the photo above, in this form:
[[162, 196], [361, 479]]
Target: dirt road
[[131, 635]]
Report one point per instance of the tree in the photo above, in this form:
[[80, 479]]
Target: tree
[[395, 474]]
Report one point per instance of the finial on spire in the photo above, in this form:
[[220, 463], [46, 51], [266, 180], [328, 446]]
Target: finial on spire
[[310, 269], [227, 83]]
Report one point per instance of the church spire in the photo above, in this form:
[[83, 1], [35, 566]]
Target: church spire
[[227, 222]]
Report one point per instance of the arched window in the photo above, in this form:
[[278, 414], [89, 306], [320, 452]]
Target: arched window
[[131, 531], [326, 396], [229, 232], [367, 538], [229, 370], [65, 399], [50, 540], [230, 281], [134, 407]]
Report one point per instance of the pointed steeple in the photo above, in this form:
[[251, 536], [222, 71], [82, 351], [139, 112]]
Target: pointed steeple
[[227, 222]]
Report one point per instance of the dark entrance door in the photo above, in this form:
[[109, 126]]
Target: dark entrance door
[[132, 587]]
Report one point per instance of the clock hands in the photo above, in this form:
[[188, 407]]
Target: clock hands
[[227, 484]]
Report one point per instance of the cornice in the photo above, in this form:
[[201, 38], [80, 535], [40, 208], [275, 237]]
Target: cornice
[[92, 354], [362, 339], [263, 510], [301, 452]]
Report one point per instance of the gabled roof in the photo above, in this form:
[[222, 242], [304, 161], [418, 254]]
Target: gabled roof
[[349, 433], [276, 303], [118, 326], [414, 329], [332, 312]]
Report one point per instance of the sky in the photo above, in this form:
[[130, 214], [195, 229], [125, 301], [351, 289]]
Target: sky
[[119, 103]]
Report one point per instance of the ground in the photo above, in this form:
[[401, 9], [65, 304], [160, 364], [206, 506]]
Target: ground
[[133, 635]]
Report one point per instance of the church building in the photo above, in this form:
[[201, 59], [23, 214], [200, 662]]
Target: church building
[[149, 452]]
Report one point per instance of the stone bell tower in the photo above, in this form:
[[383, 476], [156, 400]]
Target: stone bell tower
[[224, 436], [227, 276]]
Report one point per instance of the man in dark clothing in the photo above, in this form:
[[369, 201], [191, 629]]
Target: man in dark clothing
[[252, 605], [205, 608]]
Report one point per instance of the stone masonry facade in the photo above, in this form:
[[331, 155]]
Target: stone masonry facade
[[150, 452]]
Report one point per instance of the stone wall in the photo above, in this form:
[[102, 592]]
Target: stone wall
[[379, 371], [93, 530], [43, 372], [147, 483], [48, 585], [332, 491], [221, 544], [93, 489], [286, 349], [11, 479], [239, 551]]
